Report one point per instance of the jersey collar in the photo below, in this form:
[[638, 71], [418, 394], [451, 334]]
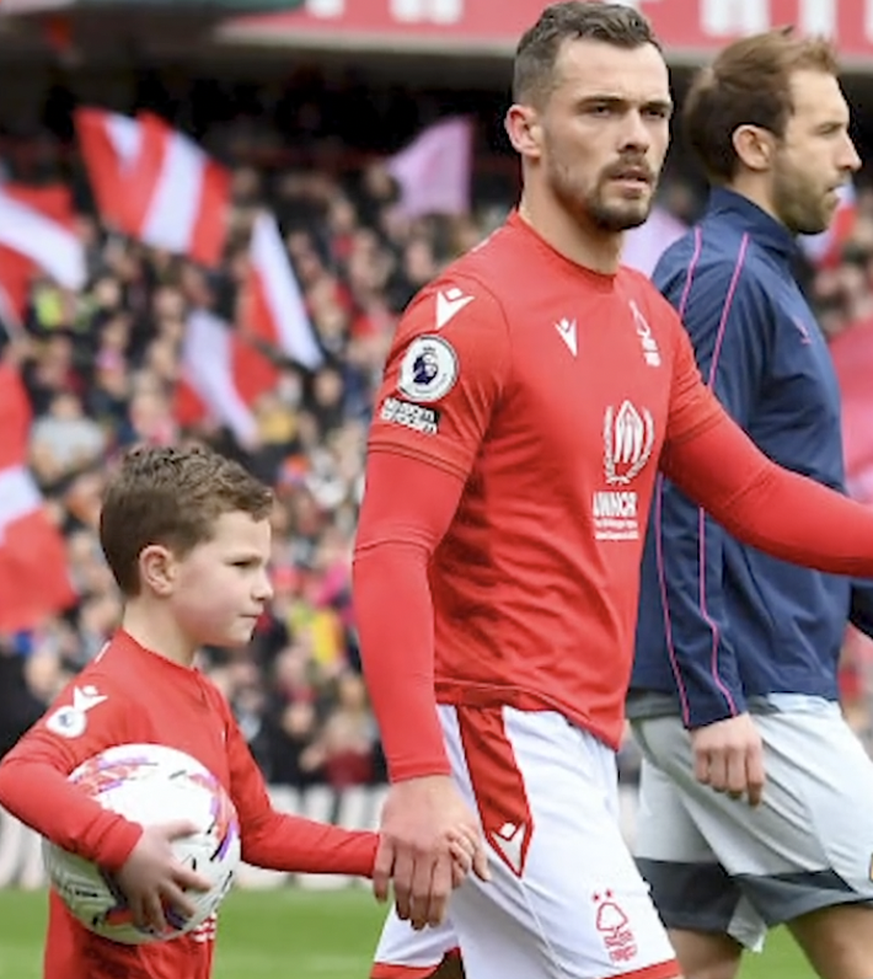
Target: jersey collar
[[748, 217]]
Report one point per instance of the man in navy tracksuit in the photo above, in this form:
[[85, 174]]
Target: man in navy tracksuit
[[756, 802]]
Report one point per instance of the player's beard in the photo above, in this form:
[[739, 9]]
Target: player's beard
[[800, 200], [590, 205]]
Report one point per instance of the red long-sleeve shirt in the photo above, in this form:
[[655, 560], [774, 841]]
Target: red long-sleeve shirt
[[526, 408], [131, 695]]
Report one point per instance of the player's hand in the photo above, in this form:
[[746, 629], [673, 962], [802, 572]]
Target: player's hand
[[426, 825], [729, 757], [153, 878]]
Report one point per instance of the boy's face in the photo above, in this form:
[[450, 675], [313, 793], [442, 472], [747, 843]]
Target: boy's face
[[220, 588]]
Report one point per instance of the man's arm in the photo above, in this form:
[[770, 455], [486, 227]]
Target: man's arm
[[789, 516], [728, 322], [424, 440], [407, 510], [442, 382]]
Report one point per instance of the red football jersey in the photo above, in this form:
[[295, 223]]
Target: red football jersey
[[130, 695], [551, 391]]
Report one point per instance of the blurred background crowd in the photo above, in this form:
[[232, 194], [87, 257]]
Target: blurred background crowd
[[103, 364]]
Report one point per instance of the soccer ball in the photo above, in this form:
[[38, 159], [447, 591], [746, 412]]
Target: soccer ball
[[149, 784]]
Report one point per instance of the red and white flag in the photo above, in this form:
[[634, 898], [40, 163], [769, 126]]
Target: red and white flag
[[222, 376], [37, 236], [274, 311], [226, 369], [434, 170], [109, 144], [155, 184], [34, 583]]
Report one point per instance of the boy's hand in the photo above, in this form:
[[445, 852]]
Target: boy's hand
[[421, 819], [464, 854], [152, 877]]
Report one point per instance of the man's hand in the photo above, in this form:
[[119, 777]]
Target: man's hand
[[426, 831], [729, 757], [153, 878]]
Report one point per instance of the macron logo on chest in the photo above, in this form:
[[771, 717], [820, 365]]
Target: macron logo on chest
[[449, 304], [567, 332]]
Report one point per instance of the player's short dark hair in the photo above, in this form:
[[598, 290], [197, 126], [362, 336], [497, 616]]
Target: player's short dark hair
[[173, 497], [574, 20], [749, 83]]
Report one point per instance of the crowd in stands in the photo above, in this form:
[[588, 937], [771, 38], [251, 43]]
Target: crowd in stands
[[101, 369]]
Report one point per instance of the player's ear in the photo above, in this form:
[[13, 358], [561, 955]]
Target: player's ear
[[755, 147], [157, 569], [524, 130]]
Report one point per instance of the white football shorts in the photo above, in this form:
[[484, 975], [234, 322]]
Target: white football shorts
[[565, 900]]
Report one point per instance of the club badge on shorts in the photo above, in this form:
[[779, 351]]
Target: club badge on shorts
[[429, 369]]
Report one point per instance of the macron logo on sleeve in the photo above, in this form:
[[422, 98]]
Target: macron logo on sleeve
[[449, 304], [567, 332]]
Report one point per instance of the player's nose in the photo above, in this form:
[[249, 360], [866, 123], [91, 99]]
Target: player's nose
[[634, 132]]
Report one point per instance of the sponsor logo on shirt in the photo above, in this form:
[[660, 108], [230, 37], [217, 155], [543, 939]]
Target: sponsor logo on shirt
[[651, 354], [417, 417], [628, 440], [72, 721], [429, 369], [628, 437], [614, 927]]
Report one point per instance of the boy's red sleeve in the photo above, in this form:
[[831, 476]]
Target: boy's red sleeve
[[83, 720], [278, 841]]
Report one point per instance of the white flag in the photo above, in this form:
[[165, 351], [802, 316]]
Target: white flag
[[434, 170]]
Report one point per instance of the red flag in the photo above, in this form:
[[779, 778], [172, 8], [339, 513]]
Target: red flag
[[34, 583]]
